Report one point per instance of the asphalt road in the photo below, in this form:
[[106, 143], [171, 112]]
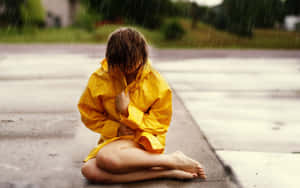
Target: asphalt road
[[237, 106], [43, 141]]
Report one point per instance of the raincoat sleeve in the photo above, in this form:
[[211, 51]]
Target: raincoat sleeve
[[94, 116], [156, 119]]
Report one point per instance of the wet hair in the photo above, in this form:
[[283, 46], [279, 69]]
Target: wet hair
[[126, 47]]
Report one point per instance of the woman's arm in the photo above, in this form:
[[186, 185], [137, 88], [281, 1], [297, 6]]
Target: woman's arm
[[94, 117], [157, 118], [122, 102]]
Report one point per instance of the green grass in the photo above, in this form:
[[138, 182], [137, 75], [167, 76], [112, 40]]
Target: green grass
[[51, 35], [204, 36]]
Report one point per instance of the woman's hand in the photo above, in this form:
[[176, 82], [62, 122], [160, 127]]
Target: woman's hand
[[125, 130], [122, 101]]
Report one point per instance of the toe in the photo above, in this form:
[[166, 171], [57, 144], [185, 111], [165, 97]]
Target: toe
[[200, 170]]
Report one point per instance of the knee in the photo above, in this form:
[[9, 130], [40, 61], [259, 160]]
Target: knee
[[88, 171], [109, 162]]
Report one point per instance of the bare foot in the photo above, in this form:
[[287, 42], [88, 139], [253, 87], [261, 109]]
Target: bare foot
[[183, 162], [180, 174]]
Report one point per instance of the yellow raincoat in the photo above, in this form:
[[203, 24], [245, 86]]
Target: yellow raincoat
[[150, 108]]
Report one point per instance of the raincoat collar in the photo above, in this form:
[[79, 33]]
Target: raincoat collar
[[140, 75]]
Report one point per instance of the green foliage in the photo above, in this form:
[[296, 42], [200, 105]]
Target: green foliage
[[292, 7], [12, 12], [20, 13], [219, 21], [45, 35], [204, 36], [188, 9], [197, 11], [33, 13], [173, 30], [297, 27], [101, 33], [148, 13], [240, 16], [209, 16], [216, 16], [85, 19], [180, 9], [268, 12]]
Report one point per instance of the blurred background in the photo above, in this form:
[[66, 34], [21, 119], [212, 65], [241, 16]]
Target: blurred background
[[166, 23]]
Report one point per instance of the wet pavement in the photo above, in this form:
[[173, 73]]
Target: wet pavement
[[43, 141], [240, 107], [248, 108]]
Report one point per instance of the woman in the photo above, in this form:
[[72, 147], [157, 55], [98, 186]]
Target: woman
[[130, 104]]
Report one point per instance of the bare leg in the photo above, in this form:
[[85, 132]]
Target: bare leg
[[95, 174], [124, 156]]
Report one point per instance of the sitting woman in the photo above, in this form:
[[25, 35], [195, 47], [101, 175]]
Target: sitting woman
[[130, 104]]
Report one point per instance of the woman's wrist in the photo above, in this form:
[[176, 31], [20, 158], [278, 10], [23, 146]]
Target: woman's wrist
[[125, 112]]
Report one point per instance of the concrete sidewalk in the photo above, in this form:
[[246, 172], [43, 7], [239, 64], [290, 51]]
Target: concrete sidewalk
[[249, 111], [43, 141]]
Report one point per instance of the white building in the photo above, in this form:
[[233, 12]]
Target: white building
[[290, 22], [60, 13]]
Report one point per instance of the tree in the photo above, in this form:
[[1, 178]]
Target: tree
[[219, 18], [240, 16], [196, 13], [148, 13], [292, 7], [20, 12], [268, 12], [33, 13], [12, 12], [180, 8]]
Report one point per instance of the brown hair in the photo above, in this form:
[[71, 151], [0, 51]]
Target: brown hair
[[126, 47]]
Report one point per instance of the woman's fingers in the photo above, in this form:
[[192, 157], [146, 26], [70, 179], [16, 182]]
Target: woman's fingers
[[130, 131], [125, 130], [122, 102]]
